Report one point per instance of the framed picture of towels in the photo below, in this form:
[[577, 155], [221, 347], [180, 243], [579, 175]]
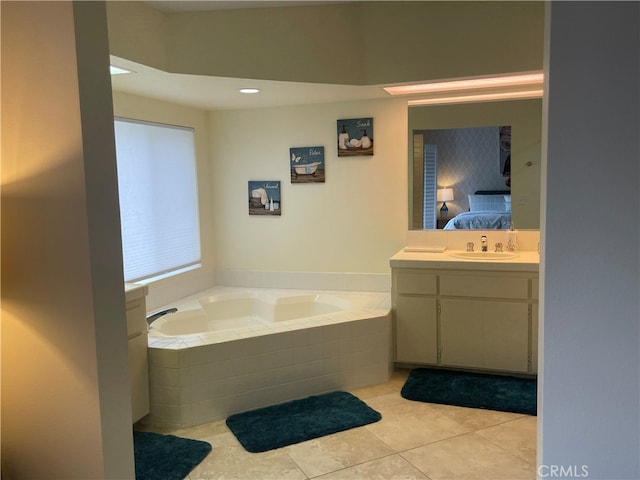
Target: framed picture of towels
[[264, 197], [307, 164], [355, 137]]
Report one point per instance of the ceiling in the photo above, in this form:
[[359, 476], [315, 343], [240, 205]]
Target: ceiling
[[222, 93]]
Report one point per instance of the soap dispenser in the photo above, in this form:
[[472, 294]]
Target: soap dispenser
[[512, 239]]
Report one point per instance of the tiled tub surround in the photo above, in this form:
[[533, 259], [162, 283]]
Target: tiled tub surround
[[203, 377]]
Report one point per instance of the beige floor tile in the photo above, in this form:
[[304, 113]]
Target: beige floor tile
[[407, 424], [394, 385], [469, 457], [204, 432], [474, 418], [232, 462], [338, 451], [517, 436], [393, 467], [414, 440]]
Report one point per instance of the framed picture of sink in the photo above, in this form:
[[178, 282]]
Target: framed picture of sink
[[355, 137], [264, 197], [307, 164]]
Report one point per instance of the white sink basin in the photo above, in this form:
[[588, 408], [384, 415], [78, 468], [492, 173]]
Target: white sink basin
[[484, 255]]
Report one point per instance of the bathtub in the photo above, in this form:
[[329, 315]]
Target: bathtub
[[235, 310], [308, 169], [231, 349]]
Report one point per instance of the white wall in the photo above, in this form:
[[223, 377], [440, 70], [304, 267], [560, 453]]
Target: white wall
[[590, 275], [355, 43], [66, 409], [354, 222]]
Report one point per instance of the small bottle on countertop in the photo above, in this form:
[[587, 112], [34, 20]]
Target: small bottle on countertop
[[512, 240]]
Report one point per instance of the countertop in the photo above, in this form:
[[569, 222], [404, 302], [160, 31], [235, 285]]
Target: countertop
[[134, 291], [526, 261]]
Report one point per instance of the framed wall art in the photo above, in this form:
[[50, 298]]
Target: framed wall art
[[264, 197], [307, 164], [355, 137]]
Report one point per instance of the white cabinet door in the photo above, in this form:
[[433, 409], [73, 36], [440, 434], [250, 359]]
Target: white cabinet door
[[138, 363], [139, 377], [485, 334], [416, 329]]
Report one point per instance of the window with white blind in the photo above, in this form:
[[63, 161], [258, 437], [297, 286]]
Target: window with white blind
[[430, 171], [157, 184]]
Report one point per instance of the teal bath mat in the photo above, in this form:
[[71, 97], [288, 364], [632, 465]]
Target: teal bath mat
[[166, 457], [299, 420], [475, 390]]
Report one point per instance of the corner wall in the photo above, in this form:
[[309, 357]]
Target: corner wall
[[590, 271], [66, 409]]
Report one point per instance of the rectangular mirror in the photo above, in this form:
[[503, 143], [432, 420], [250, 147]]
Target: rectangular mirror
[[486, 156]]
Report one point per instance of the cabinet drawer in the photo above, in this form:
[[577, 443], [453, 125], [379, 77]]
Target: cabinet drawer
[[535, 289], [416, 282], [136, 317], [484, 286]]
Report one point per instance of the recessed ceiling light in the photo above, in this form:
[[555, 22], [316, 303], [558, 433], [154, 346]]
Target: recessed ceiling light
[[117, 70], [535, 78], [249, 90]]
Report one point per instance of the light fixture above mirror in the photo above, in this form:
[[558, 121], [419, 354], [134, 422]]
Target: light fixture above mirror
[[474, 89]]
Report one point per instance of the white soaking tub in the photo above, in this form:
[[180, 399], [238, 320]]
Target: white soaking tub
[[230, 349]]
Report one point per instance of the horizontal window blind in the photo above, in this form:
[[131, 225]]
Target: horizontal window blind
[[157, 183], [430, 187]]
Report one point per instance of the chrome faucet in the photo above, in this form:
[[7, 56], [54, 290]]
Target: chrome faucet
[[155, 316], [483, 242]]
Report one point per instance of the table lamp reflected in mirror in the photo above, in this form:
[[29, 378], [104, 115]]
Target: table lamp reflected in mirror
[[444, 195]]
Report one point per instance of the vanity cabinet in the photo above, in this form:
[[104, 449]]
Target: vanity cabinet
[[466, 318], [138, 347]]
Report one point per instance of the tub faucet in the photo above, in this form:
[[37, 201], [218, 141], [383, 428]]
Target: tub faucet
[[483, 242], [152, 318]]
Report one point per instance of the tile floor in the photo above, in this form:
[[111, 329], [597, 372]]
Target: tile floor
[[413, 440]]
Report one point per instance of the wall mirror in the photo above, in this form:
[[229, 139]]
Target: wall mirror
[[485, 175]]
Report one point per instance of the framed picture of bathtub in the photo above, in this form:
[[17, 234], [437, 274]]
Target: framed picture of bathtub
[[355, 137], [307, 164], [264, 197]]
